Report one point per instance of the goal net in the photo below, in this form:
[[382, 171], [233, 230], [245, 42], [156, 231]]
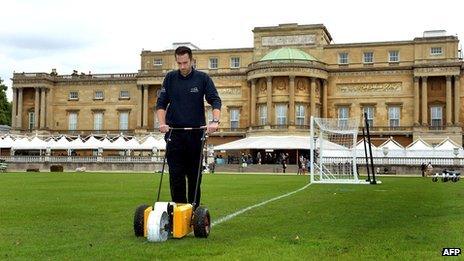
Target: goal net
[[333, 150]]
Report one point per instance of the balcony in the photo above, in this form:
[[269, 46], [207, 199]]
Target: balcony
[[74, 76], [389, 130]]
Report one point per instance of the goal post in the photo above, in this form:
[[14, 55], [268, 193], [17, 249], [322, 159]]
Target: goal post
[[333, 150]]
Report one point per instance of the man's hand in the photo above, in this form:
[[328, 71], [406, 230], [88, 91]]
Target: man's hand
[[164, 128], [212, 127]]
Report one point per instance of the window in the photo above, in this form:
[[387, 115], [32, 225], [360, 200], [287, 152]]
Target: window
[[235, 62], [436, 51], [124, 94], [234, 118], [158, 62], [124, 120], [343, 114], [213, 63], [281, 114], [73, 95], [300, 114], [31, 117], [436, 116], [370, 115], [98, 121], [393, 56], [98, 95], [394, 116], [368, 57], [343, 58], [262, 114], [72, 120]]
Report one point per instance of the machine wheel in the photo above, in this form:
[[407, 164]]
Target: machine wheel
[[201, 222], [434, 179], [158, 226], [138, 220]]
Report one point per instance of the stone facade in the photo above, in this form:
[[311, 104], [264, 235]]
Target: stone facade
[[410, 88]]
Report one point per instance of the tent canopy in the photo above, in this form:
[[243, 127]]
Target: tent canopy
[[267, 142]]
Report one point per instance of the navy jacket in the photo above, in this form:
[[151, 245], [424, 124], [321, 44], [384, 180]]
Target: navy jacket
[[183, 98]]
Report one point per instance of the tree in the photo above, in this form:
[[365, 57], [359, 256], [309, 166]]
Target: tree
[[5, 106]]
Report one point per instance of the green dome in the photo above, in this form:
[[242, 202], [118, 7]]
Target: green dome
[[288, 54]]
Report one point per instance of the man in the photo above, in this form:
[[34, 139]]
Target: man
[[181, 104], [429, 169]]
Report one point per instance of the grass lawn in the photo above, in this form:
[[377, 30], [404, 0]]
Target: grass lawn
[[89, 216]]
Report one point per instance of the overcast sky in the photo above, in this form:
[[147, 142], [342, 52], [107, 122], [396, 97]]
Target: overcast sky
[[108, 36]]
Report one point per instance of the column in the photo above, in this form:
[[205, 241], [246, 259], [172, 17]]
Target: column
[[416, 101], [42, 108], [424, 101], [13, 109], [313, 96], [457, 100], [324, 98], [291, 105], [48, 109], [19, 121], [253, 103], [145, 106], [448, 101], [269, 100], [36, 108], [139, 106]]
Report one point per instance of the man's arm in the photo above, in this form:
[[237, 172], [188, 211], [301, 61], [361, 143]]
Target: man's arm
[[161, 114], [214, 124], [212, 97], [161, 105]]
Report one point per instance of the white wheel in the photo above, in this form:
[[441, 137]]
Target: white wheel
[[158, 226]]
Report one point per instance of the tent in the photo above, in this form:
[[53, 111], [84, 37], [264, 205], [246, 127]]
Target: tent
[[449, 148], [420, 148], [149, 143], [25, 144], [6, 142], [267, 142], [60, 144]]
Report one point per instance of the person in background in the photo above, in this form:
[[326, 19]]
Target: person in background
[[429, 169]]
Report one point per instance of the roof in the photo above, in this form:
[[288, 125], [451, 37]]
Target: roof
[[288, 54]]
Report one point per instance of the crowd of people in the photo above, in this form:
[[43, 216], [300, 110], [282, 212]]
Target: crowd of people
[[282, 159]]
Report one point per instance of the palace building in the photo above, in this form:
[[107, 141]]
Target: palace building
[[409, 89]]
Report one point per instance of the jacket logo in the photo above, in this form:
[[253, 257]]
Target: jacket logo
[[194, 89]]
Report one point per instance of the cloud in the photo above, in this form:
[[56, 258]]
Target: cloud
[[42, 42]]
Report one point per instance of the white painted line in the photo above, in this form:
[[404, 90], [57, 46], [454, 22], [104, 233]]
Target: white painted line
[[241, 211]]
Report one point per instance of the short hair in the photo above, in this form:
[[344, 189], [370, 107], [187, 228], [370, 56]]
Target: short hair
[[181, 50]]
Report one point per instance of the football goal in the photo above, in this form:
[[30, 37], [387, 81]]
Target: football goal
[[333, 150]]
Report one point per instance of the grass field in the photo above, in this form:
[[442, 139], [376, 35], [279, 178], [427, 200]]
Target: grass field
[[89, 216]]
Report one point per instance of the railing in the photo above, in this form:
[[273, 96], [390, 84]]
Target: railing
[[286, 63], [76, 76], [232, 129], [398, 161], [80, 159], [388, 128], [96, 132], [303, 127], [279, 126], [437, 128], [153, 72]]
